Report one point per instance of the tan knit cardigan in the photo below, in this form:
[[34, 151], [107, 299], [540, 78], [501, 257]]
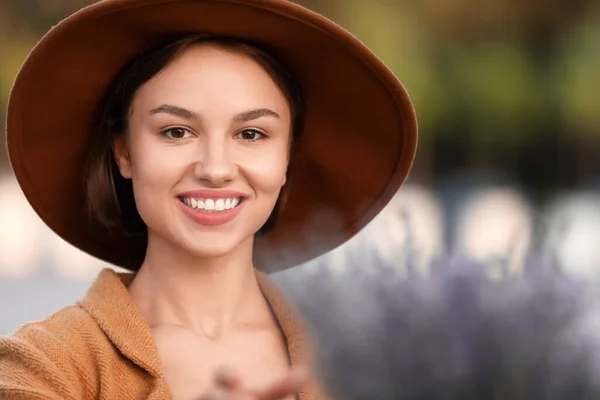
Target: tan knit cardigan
[[102, 348]]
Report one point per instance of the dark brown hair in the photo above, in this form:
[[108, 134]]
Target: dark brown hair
[[109, 196]]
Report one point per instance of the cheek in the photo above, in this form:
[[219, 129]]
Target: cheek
[[268, 171], [154, 174]]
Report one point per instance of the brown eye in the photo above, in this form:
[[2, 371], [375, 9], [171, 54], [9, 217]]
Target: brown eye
[[251, 135], [176, 133]]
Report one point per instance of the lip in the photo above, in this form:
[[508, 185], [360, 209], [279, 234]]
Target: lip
[[211, 218]]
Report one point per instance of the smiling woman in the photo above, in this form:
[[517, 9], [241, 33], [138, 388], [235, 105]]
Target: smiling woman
[[103, 180], [209, 127], [177, 155]]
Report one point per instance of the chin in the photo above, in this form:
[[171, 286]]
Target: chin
[[211, 250], [214, 245], [205, 242]]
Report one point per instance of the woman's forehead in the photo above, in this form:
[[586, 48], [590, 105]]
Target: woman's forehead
[[206, 75]]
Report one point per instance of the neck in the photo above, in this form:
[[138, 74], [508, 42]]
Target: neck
[[210, 296]]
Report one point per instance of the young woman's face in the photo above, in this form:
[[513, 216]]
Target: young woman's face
[[207, 150]]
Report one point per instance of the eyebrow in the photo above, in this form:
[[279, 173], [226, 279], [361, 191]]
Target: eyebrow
[[250, 115], [174, 110], [245, 116]]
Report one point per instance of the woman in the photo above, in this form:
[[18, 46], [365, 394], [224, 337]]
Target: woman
[[164, 137]]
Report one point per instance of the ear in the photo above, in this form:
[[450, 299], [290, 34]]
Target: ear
[[122, 157], [284, 180]]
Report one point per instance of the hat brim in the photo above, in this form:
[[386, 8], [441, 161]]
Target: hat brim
[[358, 145]]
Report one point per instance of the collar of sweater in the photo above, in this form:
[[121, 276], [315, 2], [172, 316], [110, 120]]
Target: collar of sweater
[[109, 303]]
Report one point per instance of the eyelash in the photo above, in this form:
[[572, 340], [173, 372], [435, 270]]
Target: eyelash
[[186, 131], [166, 132], [255, 131]]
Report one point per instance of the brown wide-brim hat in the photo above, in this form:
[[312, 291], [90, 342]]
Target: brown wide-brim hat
[[356, 150]]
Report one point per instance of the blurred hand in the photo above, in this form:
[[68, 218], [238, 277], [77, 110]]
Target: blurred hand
[[228, 386]]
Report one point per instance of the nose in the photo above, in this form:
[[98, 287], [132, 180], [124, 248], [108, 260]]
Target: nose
[[215, 166]]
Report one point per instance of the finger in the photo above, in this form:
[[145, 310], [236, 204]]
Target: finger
[[287, 386], [220, 394], [215, 394], [228, 379]]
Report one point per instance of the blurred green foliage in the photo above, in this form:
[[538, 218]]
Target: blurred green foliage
[[578, 78], [502, 73]]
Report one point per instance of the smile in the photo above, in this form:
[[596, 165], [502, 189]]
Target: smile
[[211, 205]]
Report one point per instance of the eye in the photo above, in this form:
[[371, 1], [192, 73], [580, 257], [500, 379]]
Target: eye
[[251, 135], [176, 133]]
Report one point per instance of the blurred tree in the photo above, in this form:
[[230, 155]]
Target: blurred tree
[[536, 21], [577, 76]]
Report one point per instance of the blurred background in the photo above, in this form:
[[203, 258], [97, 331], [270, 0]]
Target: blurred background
[[506, 94]]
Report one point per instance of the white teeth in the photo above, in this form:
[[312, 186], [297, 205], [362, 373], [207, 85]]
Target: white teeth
[[209, 204]]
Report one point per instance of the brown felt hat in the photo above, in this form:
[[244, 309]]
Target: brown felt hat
[[356, 150]]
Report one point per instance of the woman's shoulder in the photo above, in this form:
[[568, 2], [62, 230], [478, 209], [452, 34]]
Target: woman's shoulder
[[99, 347], [51, 358], [68, 326]]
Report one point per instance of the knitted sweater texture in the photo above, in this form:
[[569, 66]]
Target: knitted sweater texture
[[102, 348]]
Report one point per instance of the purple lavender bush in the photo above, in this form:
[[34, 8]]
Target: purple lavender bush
[[453, 333]]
